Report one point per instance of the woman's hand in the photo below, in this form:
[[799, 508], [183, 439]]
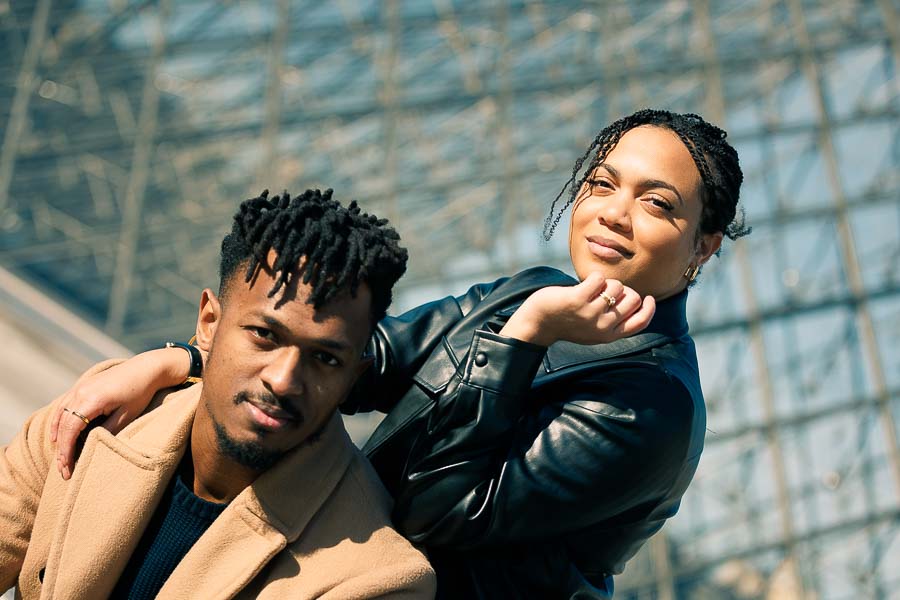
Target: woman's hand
[[122, 392], [581, 313]]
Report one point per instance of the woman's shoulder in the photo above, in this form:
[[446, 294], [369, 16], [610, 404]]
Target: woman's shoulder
[[529, 280], [508, 293], [542, 276], [647, 395]]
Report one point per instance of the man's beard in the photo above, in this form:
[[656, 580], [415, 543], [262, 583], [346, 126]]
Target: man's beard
[[250, 454]]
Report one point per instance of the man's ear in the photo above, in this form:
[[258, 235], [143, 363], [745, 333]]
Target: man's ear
[[208, 319], [707, 245]]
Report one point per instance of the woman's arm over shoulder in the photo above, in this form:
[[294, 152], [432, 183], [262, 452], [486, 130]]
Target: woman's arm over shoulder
[[116, 391], [490, 472]]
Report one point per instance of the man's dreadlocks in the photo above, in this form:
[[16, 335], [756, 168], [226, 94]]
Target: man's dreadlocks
[[715, 158], [342, 247]]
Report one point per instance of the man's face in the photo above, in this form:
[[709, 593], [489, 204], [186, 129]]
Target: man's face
[[277, 368]]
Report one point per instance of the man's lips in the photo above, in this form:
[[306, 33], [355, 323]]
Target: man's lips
[[270, 416], [607, 248]]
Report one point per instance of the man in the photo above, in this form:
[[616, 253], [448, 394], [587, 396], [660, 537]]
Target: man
[[246, 485]]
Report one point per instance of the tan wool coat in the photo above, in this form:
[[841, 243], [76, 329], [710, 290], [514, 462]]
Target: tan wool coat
[[316, 525]]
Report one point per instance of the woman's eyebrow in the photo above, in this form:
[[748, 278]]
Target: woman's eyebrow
[[611, 169], [657, 183], [647, 183]]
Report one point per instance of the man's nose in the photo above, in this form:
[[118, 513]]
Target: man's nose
[[283, 376]]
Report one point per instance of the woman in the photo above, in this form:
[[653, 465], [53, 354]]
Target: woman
[[539, 429]]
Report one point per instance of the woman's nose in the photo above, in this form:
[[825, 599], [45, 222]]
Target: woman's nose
[[614, 211]]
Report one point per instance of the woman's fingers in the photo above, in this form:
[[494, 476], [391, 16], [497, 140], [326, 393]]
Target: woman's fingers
[[57, 415], [627, 303], [117, 421], [613, 289], [591, 286], [638, 320], [70, 427], [596, 310]]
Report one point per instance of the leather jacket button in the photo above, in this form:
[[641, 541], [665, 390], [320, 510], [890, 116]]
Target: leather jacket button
[[481, 359]]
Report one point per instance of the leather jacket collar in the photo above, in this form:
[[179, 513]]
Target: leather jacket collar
[[668, 324]]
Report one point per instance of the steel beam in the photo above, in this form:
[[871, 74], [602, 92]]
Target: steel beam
[[26, 84]]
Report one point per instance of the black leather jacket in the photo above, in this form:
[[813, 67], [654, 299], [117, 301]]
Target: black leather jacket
[[530, 472]]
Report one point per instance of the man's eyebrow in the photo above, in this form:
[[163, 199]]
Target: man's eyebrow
[[276, 325], [647, 183]]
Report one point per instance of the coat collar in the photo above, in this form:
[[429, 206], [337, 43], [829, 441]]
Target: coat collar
[[267, 516], [119, 481], [671, 316]]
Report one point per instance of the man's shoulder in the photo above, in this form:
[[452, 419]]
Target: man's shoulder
[[352, 542], [168, 406], [358, 505]]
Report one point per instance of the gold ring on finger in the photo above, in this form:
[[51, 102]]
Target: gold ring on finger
[[79, 415], [609, 299]]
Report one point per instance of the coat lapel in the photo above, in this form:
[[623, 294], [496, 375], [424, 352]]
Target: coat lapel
[[263, 519], [114, 490]]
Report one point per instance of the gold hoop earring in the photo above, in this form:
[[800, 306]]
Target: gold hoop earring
[[691, 272]]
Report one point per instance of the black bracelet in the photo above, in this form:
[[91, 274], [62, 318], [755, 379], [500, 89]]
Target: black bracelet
[[195, 375]]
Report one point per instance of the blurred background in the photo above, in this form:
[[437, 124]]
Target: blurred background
[[131, 131]]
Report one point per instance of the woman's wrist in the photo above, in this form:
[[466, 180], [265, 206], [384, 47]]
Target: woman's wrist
[[526, 327], [171, 366]]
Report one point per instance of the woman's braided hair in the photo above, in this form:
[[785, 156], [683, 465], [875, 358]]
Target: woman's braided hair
[[715, 158], [342, 247]]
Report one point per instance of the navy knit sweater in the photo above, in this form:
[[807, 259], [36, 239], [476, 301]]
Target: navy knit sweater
[[179, 521]]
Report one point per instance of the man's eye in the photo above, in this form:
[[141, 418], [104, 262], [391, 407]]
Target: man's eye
[[262, 333], [328, 359]]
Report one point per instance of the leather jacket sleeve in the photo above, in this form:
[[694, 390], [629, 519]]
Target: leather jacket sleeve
[[596, 450], [400, 345]]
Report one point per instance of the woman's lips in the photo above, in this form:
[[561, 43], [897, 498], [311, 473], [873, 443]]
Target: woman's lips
[[607, 249]]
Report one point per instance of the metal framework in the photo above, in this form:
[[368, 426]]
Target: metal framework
[[133, 128]]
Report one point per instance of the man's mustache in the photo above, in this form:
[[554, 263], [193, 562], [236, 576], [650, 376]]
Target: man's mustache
[[269, 399]]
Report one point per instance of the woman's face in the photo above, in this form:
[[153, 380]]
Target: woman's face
[[637, 217]]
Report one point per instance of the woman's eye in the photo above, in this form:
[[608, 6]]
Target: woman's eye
[[599, 183], [661, 203]]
